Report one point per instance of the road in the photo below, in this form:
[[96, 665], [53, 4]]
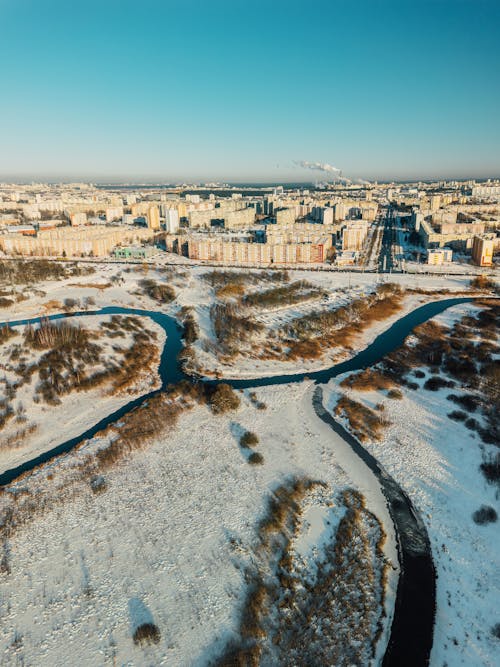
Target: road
[[386, 263]]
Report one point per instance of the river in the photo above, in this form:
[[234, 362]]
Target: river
[[411, 636]]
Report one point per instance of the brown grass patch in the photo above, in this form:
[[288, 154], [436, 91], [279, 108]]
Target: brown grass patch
[[367, 380], [53, 304], [230, 290], [333, 617], [99, 286], [364, 423]]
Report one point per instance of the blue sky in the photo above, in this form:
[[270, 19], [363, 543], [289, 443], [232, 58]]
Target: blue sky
[[188, 89]]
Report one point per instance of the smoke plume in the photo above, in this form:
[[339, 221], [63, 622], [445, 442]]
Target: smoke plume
[[318, 166]]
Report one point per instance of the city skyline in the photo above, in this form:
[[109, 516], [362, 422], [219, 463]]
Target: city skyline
[[184, 92]]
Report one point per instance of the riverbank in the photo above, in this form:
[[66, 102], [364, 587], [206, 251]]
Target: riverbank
[[287, 422], [437, 460], [174, 526], [43, 426]]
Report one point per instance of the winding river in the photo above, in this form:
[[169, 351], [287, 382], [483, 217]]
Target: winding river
[[411, 636]]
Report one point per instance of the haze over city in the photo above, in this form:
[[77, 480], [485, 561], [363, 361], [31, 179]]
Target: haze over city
[[237, 91]]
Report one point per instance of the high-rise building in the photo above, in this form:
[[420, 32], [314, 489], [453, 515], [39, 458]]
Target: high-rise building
[[354, 235], [171, 220], [482, 250], [153, 218]]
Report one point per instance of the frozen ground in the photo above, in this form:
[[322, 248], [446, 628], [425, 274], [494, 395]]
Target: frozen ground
[[77, 411], [436, 460], [174, 529], [171, 535], [192, 291], [341, 288]]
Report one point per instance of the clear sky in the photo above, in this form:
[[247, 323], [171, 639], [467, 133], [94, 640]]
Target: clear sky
[[239, 90]]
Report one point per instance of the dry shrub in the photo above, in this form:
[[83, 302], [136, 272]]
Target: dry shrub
[[17, 439], [98, 484], [284, 507], [24, 272], [155, 416], [395, 394], [249, 439], [191, 331], [223, 399], [255, 603], [436, 382], [220, 278], [332, 618], [255, 458], [239, 656], [65, 366], [305, 349], [255, 401], [147, 633], [338, 327], [491, 469], [457, 415], [52, 305], [482, 282], [485, 514], [6, 333], [368, 380], [230, 290], [231, 327], [296, 292], [140, 359], [99, 286], [50, 335], [159, 292], [365, 423]]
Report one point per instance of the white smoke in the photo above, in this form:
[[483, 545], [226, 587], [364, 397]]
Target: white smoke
[[329, 169], [318, 166]]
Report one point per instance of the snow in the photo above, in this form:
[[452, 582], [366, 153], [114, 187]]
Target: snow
[[78, 411], [436, 461], [174, 529]]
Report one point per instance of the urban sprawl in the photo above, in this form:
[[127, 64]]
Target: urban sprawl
[[443, 224]]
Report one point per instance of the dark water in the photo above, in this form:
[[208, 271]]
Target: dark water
[[387, 341], [410, 642]]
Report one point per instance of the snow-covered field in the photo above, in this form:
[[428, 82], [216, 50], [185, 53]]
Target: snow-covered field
[[45, 425], [340, 288], [436, 460], [192, 291], [171, 535]]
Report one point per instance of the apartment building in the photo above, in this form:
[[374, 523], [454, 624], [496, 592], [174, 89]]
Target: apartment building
[[285, 216], [486, 191], [78, 219], [232, 218], [354, 236], [483, 248], [448, 233], [72, 241], [244, 252], [153, 218], [439, 256]]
